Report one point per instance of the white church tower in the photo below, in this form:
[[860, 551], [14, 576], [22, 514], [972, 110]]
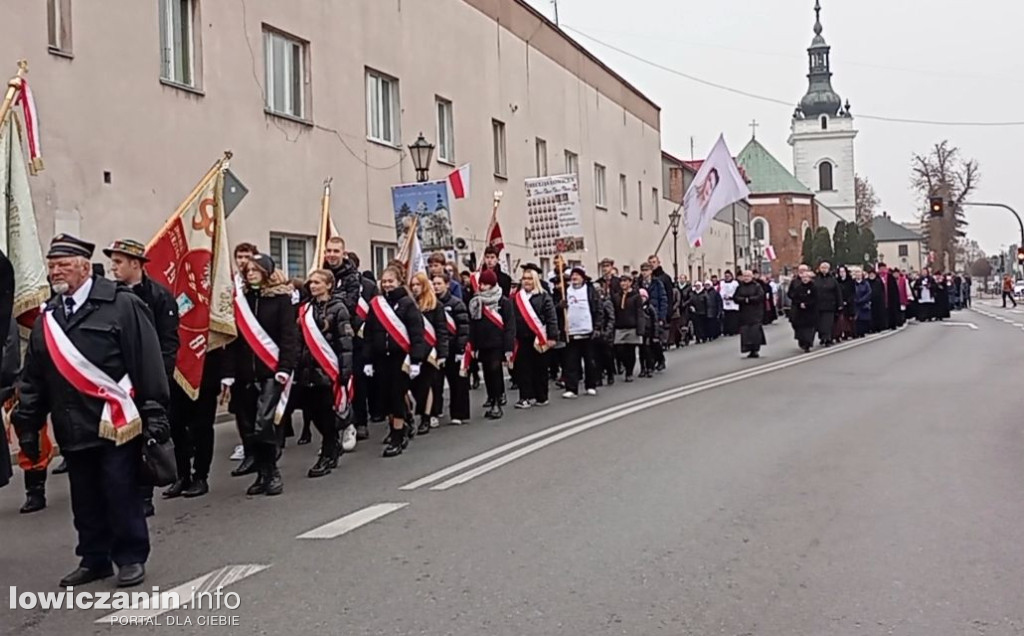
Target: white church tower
[[822, 133]]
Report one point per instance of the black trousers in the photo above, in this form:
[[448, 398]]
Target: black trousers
[[579, 363], [531, 368], [253, 406], [1009, 296], [192, 430], [826, 324], [647, 357], [423, 388], [804, 335], [626, 355], [490, 361], [604, 353], [106, 505], [318, 403], [731, 322], [392, 385], [458, 390], [361, 401]]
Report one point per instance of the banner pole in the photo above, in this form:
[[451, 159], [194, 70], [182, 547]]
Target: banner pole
[[13, 86], [218, 165], [319, 254]]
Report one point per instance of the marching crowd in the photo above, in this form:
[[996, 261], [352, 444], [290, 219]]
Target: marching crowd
[[347, 350]]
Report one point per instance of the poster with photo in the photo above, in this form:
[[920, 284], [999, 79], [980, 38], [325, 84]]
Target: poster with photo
[[553, 213], [429, 203]]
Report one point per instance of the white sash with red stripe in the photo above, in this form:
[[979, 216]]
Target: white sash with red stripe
[[362, 308], [467, 359], [389, 319], [120, 420], [262, 345], [450, 322], [494, 317], [430, 335], [532, 320], [324, 355]]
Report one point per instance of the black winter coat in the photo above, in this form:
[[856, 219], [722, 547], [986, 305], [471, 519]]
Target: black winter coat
[[804, 298], [487, 336], [629, 312], [830, 296], [348, 285], [848, 288], [379, 342], [276, 314], [544, 306], [750, 298], [456, 310], [164, 308], [438, 321], [607, 321], [335, 325], [114, 330]]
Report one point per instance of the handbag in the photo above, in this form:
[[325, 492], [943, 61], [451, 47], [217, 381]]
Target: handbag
[[159, 467]]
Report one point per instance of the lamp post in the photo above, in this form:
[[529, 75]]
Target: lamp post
[[421, 151], [674, 219]]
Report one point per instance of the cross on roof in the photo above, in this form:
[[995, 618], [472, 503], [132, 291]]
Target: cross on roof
[[753, 129]]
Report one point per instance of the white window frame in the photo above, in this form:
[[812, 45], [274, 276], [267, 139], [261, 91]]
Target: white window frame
[[623, 195], [288, 75], [282, 261], [767, 239], [572, 163], [600, 186], [500, 148], [380, 255], [656, 205], [58, 26], [178, 48], [383, 109], [541, 149], [445, 130]]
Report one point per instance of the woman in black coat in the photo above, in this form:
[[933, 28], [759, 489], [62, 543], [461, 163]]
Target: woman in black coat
[[435, 330], [845, 317], [457, 326], [712, 313], [879, 316], [630, 325], [492, 334], [395, 345], [942, 291], [319, 385], [531, 357], [803, 312], [255, 388]]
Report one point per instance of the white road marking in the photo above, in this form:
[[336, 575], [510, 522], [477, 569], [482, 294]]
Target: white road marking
[[636, 406], [209, 582], [348, 523], [973, 326]]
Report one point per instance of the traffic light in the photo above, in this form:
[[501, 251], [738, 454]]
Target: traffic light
[[1020, 255], [937, 206]]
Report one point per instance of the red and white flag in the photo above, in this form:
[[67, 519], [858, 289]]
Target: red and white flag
[[459, 182], [494, 236], [190, 256], [769, 253]]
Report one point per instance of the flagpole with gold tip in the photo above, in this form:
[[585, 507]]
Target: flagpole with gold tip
[[320, 253], [13, 86], [218, 166]]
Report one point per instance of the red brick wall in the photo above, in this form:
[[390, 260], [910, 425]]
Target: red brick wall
[[675, 185], [783, 217]]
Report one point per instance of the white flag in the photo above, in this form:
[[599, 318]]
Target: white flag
[[718, 184]]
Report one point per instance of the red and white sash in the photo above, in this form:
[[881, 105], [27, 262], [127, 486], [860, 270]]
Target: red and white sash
[[532, 320], [430, 335], [120, 420], [362, 308], [467, 359], [474, 282], [389, 319], [452, 327], [262, 345], [324, 355], [494, 317]]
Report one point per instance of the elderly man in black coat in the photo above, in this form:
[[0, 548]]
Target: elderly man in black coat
[[91, 336], [830, 297], [750, 297]]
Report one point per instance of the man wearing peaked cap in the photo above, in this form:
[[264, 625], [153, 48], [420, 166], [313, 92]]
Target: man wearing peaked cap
[[127, 266], [90, 337]]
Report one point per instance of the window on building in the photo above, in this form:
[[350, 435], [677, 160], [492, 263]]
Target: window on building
[[500, 158], [58, 23], [825, 177], [760, 230], [600, 188], [285, 74], [177, 41], [572, 163], [292, 254], [824, 122], [656, 205], [445, 131], [803, 229], [382, 108], [904, 251], [382, 254], [542, 157], [545, 264], [623, 195], [640, 199]]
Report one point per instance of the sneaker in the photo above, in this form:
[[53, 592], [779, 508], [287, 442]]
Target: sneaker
[[434, 422], [362, 432], [348, 439], [524, 404], [456, 423], [238, 454], [591, 392], [569, 395], [542, 403]]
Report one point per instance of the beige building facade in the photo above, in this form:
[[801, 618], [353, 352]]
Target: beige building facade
[[137, 98]]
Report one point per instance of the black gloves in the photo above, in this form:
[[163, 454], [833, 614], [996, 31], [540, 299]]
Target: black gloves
[[155, 424]]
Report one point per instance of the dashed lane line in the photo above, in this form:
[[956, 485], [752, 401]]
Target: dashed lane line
[[350, 522]]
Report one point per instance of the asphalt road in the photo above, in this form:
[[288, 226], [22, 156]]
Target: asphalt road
[[868, 489]]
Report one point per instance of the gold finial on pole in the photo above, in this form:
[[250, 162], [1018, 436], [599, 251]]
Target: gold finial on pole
[[13, 86]]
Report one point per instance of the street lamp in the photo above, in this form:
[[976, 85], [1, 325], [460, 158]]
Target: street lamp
[[421, 151], [674, 219]]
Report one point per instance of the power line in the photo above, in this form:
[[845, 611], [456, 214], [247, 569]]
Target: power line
[[788, 104]]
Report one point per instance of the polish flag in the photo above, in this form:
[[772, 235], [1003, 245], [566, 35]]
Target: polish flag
[[769, 253], [459, 182]]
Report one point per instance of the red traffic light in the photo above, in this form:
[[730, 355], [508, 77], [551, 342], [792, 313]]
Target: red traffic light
[[1020, 255], [937, 206]]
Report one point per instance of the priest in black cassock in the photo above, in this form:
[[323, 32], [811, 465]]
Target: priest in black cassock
[[750, 297]]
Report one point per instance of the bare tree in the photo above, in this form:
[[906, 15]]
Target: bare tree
[[867, 200], [968, 252], [943, 172]]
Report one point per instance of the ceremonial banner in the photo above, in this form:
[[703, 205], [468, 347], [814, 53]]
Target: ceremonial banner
[[190, 256], [427, 203], [718, 184], [326, 230], [553, 211], [19, 237]]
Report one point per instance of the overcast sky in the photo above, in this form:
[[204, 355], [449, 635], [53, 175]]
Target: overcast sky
[[944, 60]]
